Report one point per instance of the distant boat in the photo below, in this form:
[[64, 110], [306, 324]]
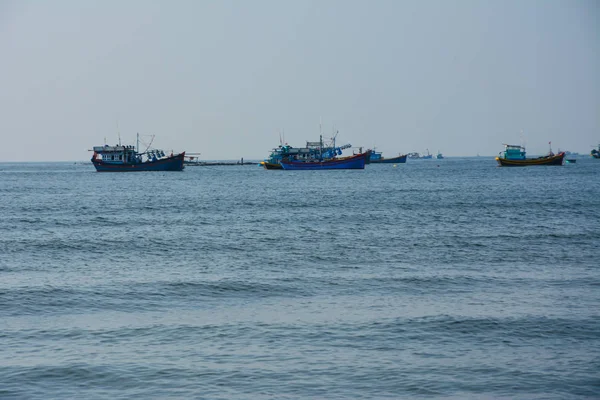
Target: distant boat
[[418, 156], [120, 158], [515, 156], [313, 151], [595, 152], [439, 155], [356, 161], [376, 157]]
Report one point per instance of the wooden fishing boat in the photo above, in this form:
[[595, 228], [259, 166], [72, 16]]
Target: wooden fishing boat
[[352, 162], [515, 156], [418, 156], [124, 158], [312, 152], [377, 158]]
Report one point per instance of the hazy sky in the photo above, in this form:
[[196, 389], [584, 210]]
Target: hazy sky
[[224, 78]]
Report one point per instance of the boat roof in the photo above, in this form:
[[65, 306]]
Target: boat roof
[[513, 146], [107, 149]]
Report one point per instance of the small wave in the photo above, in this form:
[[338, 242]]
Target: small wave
[[135, 297]]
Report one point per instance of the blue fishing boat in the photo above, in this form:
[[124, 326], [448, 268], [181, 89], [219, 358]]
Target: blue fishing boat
[[356, 161], [377, 158], [123, 158], [313, 151]]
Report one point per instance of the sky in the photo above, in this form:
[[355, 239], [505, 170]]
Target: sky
[[229, 78]]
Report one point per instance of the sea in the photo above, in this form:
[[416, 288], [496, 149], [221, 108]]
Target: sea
[[449, 279]]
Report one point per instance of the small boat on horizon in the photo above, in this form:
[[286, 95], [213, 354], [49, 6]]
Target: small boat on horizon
[[595, 152], [376, 157], [126, 158], [515, 156], [427, 156], [417, 156]]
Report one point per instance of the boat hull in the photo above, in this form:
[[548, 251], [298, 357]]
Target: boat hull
[[548, 160], [173, 163], [392, 160], [353, 162], [268, 165]]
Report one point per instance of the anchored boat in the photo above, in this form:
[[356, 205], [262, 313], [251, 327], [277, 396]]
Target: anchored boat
[[312, 152], [356, 161], [377, 158], [515, 156], [123, 158], [417, 156]]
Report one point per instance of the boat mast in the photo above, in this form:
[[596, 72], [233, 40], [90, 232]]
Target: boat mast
[[320, 139], [321, 147]]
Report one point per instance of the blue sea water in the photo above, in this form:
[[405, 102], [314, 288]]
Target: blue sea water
[[445, 278]]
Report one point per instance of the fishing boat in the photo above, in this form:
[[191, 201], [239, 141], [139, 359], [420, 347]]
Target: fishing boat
[[356, 161], [595, 152], [376, 157], [313, 151], [125, 158], [418, 156], [570, 157], [439, 155], [515, 156]]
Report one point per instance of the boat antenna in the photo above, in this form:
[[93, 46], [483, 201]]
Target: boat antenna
[[320, 123], [137, 148], [334, 136], [149, 144], [522, 137], [118, 132]]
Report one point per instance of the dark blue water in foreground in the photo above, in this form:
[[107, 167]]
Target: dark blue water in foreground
[[434, 279]]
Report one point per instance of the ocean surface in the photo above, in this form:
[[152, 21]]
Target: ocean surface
[[441, 279]]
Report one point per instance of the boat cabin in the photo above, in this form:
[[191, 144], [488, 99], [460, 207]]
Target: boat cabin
[[312, 152], [117, 154], [514, 152], [375, 155]]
